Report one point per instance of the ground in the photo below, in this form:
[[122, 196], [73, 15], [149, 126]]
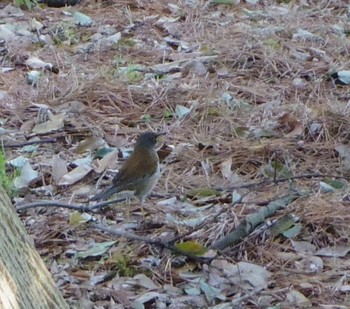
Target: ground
[[256, 110]]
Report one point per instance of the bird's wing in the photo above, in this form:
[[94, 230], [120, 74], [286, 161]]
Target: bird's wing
[[132, 174], [105, 194]]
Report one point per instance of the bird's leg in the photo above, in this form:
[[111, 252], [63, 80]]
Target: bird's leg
[[141, 206], [128, 207]]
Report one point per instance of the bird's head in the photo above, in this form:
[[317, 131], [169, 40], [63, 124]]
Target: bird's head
[[148, 140]]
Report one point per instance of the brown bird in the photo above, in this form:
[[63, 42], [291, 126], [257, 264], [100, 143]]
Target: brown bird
[[139, 173]]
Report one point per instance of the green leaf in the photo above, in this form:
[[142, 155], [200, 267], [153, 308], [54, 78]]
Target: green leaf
[[282, 225], [276, 168], [261, 133], [27, 174], [81, 19], [292, 232], [227, 2], [181, 111], [26, 4], [191, 248], [203, 192], [214, 111], [76, 218], [103, 152], [336, 184], [211, 292], [168, 114], [240, 131], [147, 118]]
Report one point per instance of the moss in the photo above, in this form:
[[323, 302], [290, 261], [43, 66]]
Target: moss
[[6, 179], [126, 42], [122, 264], [26, 4], [274, 44]]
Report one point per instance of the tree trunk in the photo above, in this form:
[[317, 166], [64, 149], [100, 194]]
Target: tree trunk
[[24, 280]]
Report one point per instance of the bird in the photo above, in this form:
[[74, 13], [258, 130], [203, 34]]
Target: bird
[[139, 173]]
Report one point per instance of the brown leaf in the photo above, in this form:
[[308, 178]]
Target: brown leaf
[[290, 124], [109, 161], [59, 168]]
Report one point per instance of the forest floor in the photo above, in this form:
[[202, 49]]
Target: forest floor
[[255, 116]]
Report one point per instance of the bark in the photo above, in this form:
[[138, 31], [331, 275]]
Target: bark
[[24, 280]]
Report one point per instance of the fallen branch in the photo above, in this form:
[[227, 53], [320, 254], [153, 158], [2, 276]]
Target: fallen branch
[[51, 204], [248, 225]]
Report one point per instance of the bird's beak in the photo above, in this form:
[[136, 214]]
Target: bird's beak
[[160, 134]]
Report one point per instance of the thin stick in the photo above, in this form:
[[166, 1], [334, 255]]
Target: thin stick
[[154, 242], [267, 181], [83, 207], [43, 141]]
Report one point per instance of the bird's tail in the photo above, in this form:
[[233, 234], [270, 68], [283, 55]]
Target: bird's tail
[[105, 194]]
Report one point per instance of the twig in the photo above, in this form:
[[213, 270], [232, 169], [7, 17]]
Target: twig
[[83, 208], [106, 203], [203, 224], [267, 181], [154, 242], [197, 228], [249, 295], [129, 236], [43, 141], [51, 204]]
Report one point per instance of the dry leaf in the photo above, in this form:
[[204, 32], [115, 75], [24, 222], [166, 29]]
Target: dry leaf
[[54, 124], [90, 143], [225, 168], [75, 175], [291, 124], [108, 161], [59, 168]]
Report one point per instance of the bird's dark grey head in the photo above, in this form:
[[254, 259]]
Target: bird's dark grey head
[[148, 140]]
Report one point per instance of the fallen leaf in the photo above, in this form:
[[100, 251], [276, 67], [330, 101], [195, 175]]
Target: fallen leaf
[[76, 218], [81, 19], [247, 275], [202, 192], [211, 292], [18, 162], [26, 176], [341, 77], [191, 247], [97, 249], [75, 175], [90, 143], [108, 161], [181, 111], [291, 124], [56, 123], [296, 298], [334, 251], [309, 264], [144, 281], [304, 247], [59, 168], [225, 168]]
